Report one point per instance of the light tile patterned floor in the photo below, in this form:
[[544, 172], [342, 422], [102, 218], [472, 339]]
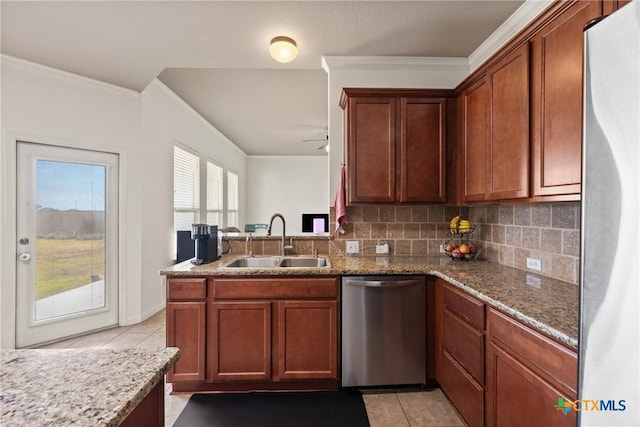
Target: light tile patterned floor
[[395, 408]]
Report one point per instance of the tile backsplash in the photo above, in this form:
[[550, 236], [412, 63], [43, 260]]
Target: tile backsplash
[[506, 234]]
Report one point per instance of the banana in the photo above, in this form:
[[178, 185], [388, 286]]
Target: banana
[[465, 226], [453, 224]]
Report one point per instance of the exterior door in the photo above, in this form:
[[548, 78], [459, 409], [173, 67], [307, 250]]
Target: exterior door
[[67, 242]]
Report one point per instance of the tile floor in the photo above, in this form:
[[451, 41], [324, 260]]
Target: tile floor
[[396, 408]]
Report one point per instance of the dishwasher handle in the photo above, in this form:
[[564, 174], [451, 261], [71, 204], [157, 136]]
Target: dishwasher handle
[[395, 283]]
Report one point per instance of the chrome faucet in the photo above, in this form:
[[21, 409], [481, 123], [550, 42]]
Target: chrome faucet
[[250, 241], [274, 216]]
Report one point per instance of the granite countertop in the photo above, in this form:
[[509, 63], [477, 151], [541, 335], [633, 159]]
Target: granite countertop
[[98, 387], [547, 305]]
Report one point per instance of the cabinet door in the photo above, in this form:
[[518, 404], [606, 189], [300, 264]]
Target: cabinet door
[[473, 107], [509, 144], [371, 149], [307, 340], [422, 149], [239, 341], [186, 322], [556, 88], [517, 396]]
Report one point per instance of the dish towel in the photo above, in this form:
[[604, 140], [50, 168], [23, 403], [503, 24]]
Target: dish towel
[[340, 204]]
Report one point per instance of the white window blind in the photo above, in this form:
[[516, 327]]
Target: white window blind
[[215, 198], [186, 189], [232, 199]]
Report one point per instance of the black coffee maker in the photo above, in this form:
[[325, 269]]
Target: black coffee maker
[[206, 242]]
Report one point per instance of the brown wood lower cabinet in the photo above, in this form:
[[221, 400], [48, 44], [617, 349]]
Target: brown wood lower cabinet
[[254, 333], [526, 374], [497, 371]]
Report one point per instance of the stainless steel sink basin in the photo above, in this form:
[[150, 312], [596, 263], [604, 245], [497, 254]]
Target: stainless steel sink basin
[[254, 262], [304, 262], [279, 262]]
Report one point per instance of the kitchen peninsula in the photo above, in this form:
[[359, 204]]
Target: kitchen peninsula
[[101, 387], [492, 330]]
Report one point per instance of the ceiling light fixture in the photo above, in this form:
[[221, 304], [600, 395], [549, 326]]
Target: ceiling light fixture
[[283, 49]]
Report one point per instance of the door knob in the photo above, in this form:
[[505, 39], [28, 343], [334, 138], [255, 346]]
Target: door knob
[[24, 256]]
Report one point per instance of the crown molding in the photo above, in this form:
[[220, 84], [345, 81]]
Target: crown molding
[[522, 17], [394, 63], [4, 58]]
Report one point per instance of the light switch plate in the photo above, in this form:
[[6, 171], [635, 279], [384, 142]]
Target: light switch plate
[[353, 247]]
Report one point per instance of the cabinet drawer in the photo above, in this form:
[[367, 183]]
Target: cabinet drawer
[[556, 362], [187, 289], [469, 309], [467, 395], [275, 288], [465, 344]]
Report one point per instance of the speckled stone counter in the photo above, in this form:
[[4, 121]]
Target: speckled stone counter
[[97, 387], [547, 305]]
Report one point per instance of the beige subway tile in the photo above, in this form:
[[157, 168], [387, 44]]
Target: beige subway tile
[[387, 214], [541, 215], [403, 247], [506, 256], [420, 214], [419, 247], [403, 213], [551, 240], [354, 213], [505, 215], [379, 230], [370, 214], [427, 231], [362, 230], [395, 230], [498, 234], [411, 231], [522, 215], [436, 214], [571, 243], [493, 215], [513, 236], [520, 258], [564, 268], [531, 237], [492, 252], [322, 246], [564, 216]]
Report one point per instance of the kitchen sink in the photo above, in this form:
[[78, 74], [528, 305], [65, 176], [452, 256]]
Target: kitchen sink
[[279, 262], [304, 262], [254, 262]]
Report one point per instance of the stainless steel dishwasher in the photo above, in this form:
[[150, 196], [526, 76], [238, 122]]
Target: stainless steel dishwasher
[[383, 330]]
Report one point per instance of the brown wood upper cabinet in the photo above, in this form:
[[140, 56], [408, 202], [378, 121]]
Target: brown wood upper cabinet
[[556, 90], [395, 145], [494, 131]]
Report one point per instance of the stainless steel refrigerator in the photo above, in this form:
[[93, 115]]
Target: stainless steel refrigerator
[[610, 259]]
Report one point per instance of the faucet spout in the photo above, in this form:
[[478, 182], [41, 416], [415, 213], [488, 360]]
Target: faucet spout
[[250, 241], [284, 227]]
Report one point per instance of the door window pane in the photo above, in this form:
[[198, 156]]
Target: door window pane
[[70, 238]]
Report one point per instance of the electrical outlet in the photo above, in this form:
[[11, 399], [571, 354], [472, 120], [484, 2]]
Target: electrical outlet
[[534, 264], [442, 249], [534, 281], [353, 246], [382, 248]]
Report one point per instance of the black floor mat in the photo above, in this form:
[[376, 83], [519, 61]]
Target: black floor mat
[[275, 409]]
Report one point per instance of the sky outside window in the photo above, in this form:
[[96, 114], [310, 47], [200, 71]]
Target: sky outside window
[[64, 186]]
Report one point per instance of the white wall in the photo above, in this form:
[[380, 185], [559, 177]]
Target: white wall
[[290, 185], [45, 105]]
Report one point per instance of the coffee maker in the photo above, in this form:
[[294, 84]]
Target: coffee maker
[[206, 243]]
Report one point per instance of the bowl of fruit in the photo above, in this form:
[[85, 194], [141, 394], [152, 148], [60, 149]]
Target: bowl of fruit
[[463, 252]]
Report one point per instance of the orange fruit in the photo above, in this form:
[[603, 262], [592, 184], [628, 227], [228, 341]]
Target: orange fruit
[[464, 249]]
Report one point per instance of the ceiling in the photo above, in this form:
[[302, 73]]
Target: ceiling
[[214, 54]]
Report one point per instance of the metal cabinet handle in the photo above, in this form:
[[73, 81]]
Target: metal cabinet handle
[[382, 283]]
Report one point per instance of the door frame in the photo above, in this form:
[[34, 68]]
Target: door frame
[[8, 250]]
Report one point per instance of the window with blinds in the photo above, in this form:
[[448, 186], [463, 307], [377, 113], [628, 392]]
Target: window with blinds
[[186, 189], [232, 199], [215, 198]]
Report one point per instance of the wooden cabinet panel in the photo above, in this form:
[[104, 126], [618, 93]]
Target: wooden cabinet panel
[[186, 323], [556, 363], [395, 145], [468, 308], [308, 341], [275, 288], [239, 341], [473, 106], [371, 149], [517, 396], [186, 289], [509, 121], [465, 344], [556, 87], [423, 149], [466, 394]]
